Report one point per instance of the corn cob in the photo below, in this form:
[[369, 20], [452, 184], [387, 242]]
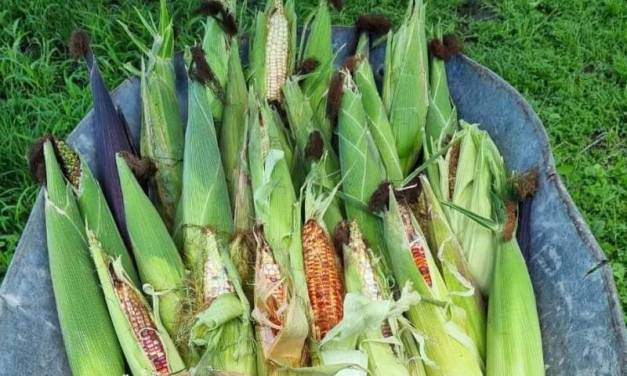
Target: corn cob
[[512, 312], [323, 270], [161, 138], [146, 344], [157, 258], [272, 54], [459, 281], [447, 345], [88, 335], [361, 166], [378, 122], [405, 84]]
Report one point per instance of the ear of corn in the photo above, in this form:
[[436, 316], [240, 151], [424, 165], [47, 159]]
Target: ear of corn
[[92, 204], [303, 127], [221, 328], [281, 319], [405, 91], [157, 258], [218, 46], [146, 344], [455, 271], [323, 269], [378, 122], [277, 211], [473, 172], [88, 335], [361, 166], [441, 116], [161, 138], [364, 276], [233, 143], [272, 54], [514, 343], [447, 345]]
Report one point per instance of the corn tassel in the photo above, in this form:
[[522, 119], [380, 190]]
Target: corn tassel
[[88, 335], [146, 344], [449, 349]]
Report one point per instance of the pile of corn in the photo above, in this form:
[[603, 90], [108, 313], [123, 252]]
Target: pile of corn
[[302, 221]]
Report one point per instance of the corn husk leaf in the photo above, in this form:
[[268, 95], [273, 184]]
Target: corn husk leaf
[[361, 166], [158, 261], [138, 360], [479, 176], [378, 122], [449, 350], [455, 271], [161, 138], [88, 335], [234, 144], [513, 315], [405, 84], [303, 126], [112, 136]]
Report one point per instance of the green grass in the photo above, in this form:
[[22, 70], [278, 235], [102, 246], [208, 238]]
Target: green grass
[[568, 59]]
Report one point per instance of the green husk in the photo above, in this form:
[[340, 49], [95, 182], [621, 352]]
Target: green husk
[[449, 350], [405, 84], [479, 176], [442, 115], [157, 258], [361, 166], [364, 277], [455, 271], [221, 328], [303, 126], [514, 340], [233, 143], [218, 46], [277, 210], [88, 334], [378, 122], [161, 138], [138, 361]]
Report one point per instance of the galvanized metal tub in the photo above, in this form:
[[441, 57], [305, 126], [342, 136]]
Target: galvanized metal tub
[[583, 327]]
